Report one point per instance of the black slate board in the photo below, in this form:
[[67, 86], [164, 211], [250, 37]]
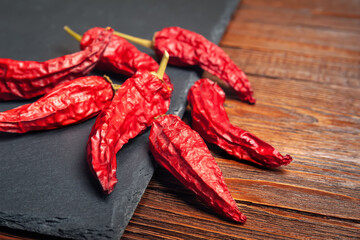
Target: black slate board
[[45, 183]]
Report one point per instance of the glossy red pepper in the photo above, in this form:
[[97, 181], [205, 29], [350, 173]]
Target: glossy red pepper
[[68, 103], [185, 155], [120, 56], [133, 108], [28, 79], [211, 121], [187, 48]]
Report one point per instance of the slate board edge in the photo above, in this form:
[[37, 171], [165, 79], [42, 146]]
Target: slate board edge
[[49, 225], [216, 36]]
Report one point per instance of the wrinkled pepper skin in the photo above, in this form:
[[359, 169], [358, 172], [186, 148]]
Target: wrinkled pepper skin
[[29, 79], [182, 151], [120, 56], [68, 103], [133, 108], [211, 121], [189, 48]]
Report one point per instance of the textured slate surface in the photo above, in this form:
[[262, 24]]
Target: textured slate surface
[[45, 183]]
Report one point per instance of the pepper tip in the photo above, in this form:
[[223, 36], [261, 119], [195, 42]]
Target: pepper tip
[[243, 218], [239, 217], [287, 159], [251, 100], [247, 98]]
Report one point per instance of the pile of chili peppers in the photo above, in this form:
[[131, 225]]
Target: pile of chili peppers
[[125, 111]]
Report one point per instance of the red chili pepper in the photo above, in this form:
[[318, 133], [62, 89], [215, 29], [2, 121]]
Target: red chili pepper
[[120, 56], [133, 108], [189, 48], [211, 121], [185, 155], [68, 103], [28, 79]]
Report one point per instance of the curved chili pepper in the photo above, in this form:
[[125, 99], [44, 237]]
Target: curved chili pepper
[[211, 121], [187, 48], [185, 155], [133, 108], [120, 56], [28, 79], [68, 103]]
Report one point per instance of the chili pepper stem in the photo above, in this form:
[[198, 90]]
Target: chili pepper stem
[[163, 65], [72, 33], [115, 87], [143, 42], [158, 116]]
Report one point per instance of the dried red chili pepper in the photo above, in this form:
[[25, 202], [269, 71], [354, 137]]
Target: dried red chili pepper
[[211, 121], [185, 155], [189, 48], [120, 56], [28, 79], [133, 108], [68, 103]]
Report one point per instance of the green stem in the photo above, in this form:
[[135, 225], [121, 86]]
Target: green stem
[[72, 33], [163, 64], [115, 87], [143, 42]]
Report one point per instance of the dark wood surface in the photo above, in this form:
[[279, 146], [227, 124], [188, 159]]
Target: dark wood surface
[[303, 61]]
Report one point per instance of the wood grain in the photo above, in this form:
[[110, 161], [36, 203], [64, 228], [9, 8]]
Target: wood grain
[[303, 61]]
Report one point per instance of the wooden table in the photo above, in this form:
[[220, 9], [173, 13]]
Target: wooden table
[[303, 61]]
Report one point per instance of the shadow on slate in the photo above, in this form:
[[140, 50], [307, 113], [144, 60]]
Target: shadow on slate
[[45, 184]]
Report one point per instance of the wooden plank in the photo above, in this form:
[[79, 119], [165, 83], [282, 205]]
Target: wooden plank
[[285, 26], [334, 8], [319, 16], [297, 66], [175, 209]]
